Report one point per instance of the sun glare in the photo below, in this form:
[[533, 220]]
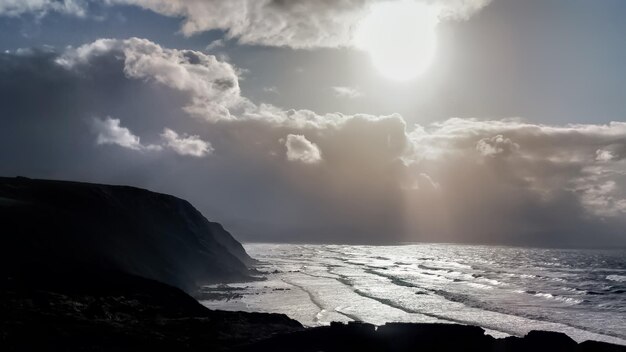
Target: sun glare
[[400, 38]]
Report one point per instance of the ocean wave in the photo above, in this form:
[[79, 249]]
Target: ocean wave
[[455, 265], [426, 267], [543, 295], [477, 285], [618, 278], [528, 276], [402, 263], [570, 300], [492, 282], [579, 293], [462, 298], [595, 293]]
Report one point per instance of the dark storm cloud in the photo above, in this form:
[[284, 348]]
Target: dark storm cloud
[[133, 112]]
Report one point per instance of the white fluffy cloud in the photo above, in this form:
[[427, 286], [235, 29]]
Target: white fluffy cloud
[[496, 145], [604, 155], [611, 152], [572, 142], [293, 23], [212, 85], [301, 149], [110, 131], [186, 145]]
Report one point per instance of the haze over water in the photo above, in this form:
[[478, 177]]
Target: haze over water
[[505, 290]]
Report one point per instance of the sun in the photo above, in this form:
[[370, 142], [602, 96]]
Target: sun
[[400, 38]]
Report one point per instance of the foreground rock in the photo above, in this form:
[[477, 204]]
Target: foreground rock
[[400, 337], [56, 224], [112, 311]]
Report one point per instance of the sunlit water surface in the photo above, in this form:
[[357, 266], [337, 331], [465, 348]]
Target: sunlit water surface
[[507, 291]]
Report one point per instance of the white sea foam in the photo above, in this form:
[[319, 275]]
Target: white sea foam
[[504, 290], [618, 278]]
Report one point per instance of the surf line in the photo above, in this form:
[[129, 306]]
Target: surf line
[[346, 281], [317, 303]]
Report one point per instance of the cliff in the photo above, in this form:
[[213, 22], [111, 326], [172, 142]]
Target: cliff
[[57, 225]]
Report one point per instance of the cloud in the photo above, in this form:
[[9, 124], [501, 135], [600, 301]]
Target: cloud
[[212, 85], [601, 200], [497, 145], [374, 179], [41, 7], [218, 43], [186, 145], [573, 142], [546, 162], [301, 149], [347, 92], [293, 23], [605, 155], [272, 90], [110, 131], [611, 152]]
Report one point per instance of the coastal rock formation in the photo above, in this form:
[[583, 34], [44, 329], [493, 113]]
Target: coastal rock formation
[[115, 311], [64, 225], [405, 337]]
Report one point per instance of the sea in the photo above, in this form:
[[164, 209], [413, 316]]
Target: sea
[[505, 290]]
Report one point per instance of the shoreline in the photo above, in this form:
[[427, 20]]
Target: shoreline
[[367, 290], [121, 312], [497, 334]]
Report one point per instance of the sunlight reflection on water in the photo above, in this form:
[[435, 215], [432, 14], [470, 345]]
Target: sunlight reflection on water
[[505, 290]]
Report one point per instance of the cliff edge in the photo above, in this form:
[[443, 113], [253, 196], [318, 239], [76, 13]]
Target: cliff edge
[[59, 225]]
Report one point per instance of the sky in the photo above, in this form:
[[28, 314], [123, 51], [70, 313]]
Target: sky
[[351, 121]]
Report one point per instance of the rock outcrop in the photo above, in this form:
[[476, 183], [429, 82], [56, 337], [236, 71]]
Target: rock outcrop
[[61, 225], [115, 311], [405, 337]]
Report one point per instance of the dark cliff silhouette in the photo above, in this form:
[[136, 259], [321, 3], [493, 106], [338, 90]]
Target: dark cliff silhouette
[[56, 224]]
